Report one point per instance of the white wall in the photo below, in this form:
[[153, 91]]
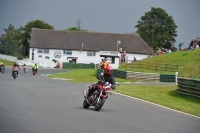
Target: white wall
[[81, 58], [130, 57], [7, 57]]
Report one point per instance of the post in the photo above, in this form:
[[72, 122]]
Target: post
[[176, 78], [118, 42]]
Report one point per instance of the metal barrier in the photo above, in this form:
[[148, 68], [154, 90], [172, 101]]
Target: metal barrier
[[143, 76], [167, 78], [190, 87]]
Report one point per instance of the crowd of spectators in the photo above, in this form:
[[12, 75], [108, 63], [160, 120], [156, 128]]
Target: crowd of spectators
[[195, 43]]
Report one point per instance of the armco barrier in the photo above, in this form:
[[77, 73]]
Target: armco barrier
[[167, 78], [119, 73], [190, 87], [116, 73], [143, 76]]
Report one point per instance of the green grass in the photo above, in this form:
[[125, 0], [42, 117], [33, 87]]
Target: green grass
[[162, 95], [6, 63], [82, 75]]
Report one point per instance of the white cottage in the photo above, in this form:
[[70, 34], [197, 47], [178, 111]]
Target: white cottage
[[84, 47]]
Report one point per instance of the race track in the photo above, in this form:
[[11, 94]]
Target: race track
[[36, 104]]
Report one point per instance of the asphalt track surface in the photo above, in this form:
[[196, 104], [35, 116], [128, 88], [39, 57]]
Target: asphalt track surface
[[36, 104]]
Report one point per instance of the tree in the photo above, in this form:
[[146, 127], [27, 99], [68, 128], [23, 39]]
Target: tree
[[73, 29], [78, 28], [11, 40], [27, 31], [157, 28]]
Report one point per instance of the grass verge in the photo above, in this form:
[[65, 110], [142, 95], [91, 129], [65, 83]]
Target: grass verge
[[6, 63], [82, 75], [163, 95]]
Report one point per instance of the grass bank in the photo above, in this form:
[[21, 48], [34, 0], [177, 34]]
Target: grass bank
[[6, 63], [189, 59]]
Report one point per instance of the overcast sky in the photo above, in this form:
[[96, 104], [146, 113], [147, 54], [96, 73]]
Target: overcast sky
[[112, 16]]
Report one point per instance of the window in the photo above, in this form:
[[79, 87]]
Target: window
[[40, 51], [91, 54], [67, 52], [45, 51], [111, 60]]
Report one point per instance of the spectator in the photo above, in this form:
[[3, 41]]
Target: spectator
[[198, 42], [134, 59], [105, 64], [164, 50], [181, 46], [123, 56], [172, 48], [159, 51], [101, 64]]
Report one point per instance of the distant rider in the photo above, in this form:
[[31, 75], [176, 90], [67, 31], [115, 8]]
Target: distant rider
[[35, 66], [13, 68], [2, 65], [24, 65], [106, 76]]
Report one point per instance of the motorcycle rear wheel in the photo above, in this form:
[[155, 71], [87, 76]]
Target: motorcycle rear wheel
[[99, 105], [85, 104]]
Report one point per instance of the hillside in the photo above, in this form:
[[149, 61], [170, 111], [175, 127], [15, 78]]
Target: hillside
[[190, 60], [178, 58]]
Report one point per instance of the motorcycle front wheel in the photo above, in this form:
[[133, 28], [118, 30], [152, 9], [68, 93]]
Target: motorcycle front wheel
[[85, 104], [99, 105]]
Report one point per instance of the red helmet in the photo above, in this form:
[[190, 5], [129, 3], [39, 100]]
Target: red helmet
[[108, 70]]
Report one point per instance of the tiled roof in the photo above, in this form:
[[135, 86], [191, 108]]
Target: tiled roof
[[87, 41]]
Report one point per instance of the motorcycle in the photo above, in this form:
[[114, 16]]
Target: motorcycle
[[2, 69], [24, 68], [34, 71], [15, 72], [98, 97]]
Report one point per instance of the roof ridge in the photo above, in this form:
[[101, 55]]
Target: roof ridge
[[87, 31]]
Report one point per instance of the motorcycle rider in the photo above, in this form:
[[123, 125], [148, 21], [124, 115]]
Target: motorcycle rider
[[35, 66], [13, 68], [2, 65], [24, 65], [106, 76]]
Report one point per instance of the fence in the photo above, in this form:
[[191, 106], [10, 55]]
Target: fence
[[190, 87], [153, 66], [12, 50]]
